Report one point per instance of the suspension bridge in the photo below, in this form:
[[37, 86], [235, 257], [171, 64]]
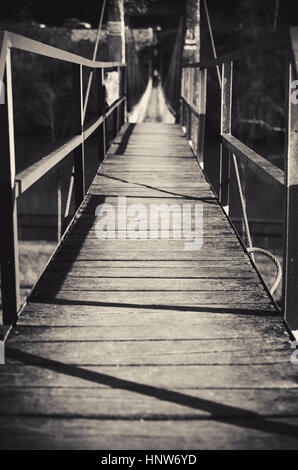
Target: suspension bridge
[[139, 343]]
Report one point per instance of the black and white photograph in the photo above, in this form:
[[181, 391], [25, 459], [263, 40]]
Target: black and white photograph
[[149, 230]]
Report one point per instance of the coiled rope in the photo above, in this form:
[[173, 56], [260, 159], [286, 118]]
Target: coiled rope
[[278, 276], [251, 249]]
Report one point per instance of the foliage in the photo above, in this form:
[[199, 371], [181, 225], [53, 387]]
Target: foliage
[[43, 86], [259, 82]]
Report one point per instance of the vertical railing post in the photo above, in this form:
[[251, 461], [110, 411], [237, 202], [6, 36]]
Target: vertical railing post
[[118, 111], [122, 95], [182, 113], [202, 113], [125, 93], [189, 99], [101, 111], [78, 154], [184, 119], [290, 264], [225, 128], [114, 122], [189, 122], [188, 84], [10, 286], [186, 98], [59, 205]]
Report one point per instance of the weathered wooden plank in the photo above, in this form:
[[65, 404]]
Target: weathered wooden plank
[[201, 255], [188, 210], [125, 354], [233, 264], [213, 323], [143, 159], [226, 245], [209, 220], [148, 284], [115, 217], [193, 300], [208, 272], [93, 434], [154, 128], [150, 245], [123, 167], [157, 152], [100, 252], [150, 165], [210, 231], [159, 180], [146, 139], [210, 205], [102, 403], [127, 162], [257, 376], [164, 145], [192, 340], [143, 191], [82, 233]]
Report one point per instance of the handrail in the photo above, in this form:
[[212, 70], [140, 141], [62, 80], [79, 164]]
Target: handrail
[[12, 186], [26, 178], [233, 149], [22, 43], [195, 110], [258, 164]]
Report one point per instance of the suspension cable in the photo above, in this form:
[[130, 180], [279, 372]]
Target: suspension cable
[[94, 57], [71, 182], [250, 249], [212, 40], [242, 202]]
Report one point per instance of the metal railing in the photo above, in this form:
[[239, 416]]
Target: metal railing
[[13, 185], [232, 150]]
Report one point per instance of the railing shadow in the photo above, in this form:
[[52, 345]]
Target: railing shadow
[[180, 308], [125, 139], [208, 200], [220, 412], [68, 261]]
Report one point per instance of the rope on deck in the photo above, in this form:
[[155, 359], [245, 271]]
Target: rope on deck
[[250, 249], [278, 276]]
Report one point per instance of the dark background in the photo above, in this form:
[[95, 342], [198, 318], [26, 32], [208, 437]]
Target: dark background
[[54, 12]]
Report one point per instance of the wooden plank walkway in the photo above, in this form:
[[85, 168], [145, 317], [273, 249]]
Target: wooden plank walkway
[[140, 344]]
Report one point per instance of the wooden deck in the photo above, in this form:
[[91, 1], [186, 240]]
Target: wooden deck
[[139, 344]]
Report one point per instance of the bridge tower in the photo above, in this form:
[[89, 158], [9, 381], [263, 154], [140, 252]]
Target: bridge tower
[[116, 31]]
